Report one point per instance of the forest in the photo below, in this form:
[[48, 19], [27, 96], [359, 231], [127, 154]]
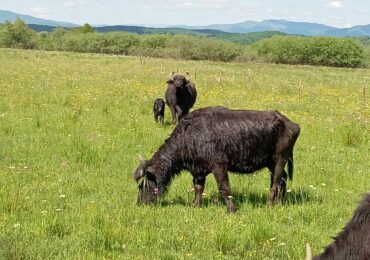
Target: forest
[[212, 45]]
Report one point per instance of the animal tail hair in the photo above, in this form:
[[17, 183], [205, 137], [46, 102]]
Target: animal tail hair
[[290, 167]]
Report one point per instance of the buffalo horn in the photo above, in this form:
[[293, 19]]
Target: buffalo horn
[[141, 158], [188, 78]]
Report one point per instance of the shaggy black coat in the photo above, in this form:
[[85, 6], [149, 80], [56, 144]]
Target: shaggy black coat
[[158, 110], [180, 96], [217, 140], [354, 241]]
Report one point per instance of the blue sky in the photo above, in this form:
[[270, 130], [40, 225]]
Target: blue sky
[[339, 13]]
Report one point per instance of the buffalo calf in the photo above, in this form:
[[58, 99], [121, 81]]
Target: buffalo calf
[[158, 110]]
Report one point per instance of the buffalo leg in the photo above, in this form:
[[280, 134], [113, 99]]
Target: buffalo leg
[[223, 184], [173, 113], [278, 181], [198, 188], [183, 113], [283, 182], [161, 117], [179, 112]]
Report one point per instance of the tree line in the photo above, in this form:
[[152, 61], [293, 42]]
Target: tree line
[[327, 51]]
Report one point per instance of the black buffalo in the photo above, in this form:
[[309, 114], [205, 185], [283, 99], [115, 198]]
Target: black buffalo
[[180, 95], [158, 110], [354, 241], [218, 140]]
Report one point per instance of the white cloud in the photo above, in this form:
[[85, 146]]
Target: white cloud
[[335, 4], [215, 4], [205, 4], [198, 5], [145, 7], [347, 25], [188, 4], [41, 12], [73, 3]]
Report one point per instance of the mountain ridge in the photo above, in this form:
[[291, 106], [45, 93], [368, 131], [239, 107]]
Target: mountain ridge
[[28, 19], [284, 26], [289, 27]]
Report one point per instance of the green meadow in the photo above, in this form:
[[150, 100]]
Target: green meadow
[[72, 127]]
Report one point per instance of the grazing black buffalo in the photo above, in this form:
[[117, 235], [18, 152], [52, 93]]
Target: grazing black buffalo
[[158, 110], [180, 95], [218, 140], [354, 241]]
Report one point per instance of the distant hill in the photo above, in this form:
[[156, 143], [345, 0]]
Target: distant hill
[[269, 25], [301, 28], [44, 28], [282, 26], [11, 17], [146, 30], [358, 30], [137, 29], [248, 38], [241, 38]]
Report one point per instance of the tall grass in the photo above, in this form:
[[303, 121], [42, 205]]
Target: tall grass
[[72, 125]]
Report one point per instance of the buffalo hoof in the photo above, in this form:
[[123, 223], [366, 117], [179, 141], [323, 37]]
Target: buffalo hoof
[[231, 210]]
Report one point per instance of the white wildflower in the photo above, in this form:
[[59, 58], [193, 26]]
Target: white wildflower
[[16, 225]]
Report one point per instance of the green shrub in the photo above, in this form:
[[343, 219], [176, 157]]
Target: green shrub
[[17, 35], [326, 51], [199, 48], [86, 28]]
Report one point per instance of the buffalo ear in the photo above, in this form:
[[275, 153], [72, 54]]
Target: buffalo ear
[[150, 170], [150, 174], [170, 81], [139, 173]]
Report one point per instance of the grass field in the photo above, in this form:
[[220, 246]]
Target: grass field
[[72, 126]]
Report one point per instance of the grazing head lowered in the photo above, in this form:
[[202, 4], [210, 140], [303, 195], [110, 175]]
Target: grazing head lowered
[[158, 110], [217, 140], [147, 184], [180, 95]]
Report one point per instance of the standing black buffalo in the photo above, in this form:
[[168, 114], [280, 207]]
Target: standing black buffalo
[[180, 95], [354, 241], [158, 110], [218, 140]]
